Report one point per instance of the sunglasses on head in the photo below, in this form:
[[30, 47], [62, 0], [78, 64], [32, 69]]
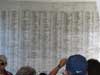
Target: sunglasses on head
[[2, 63]]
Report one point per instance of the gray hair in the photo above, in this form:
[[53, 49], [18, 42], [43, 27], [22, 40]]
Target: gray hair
[[26, 70], [3, 58]]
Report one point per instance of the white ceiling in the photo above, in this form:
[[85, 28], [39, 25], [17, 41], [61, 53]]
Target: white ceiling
[[56, 0]]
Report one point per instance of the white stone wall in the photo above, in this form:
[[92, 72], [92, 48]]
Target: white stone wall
[[39, 34], [57, 0]]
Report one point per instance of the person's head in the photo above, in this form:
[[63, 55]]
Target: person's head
[[93, 67], [42, 73], [76, 65], [3, 62], [26, 70]]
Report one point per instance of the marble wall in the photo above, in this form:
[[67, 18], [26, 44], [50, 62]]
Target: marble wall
[[39, 34]]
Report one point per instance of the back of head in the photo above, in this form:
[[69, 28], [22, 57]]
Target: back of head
[[93, 67], [77, 65], [92, 63], [3, 58], [26, 71], [42, 73]]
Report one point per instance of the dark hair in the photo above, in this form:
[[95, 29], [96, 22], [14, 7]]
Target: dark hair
[[93, 67], [26, 70], [42, 74]]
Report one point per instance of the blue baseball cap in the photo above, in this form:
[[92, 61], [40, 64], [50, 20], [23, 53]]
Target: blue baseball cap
[[77, 65]]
